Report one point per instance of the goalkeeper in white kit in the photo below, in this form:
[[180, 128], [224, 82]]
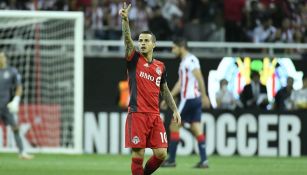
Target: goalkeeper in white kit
[[9, 101]]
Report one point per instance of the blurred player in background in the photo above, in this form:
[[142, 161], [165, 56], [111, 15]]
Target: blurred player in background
[[10, 80], [147, 77], [192, 91]]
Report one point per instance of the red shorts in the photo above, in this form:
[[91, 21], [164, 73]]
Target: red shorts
[[145, 130]]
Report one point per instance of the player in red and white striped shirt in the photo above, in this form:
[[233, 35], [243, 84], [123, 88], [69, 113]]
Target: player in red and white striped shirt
[[192, 90]]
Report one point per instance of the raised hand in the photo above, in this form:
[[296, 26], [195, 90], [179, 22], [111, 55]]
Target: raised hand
[[124, 11]]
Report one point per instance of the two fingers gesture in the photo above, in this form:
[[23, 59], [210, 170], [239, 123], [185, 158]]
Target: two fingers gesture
[[123, 12]]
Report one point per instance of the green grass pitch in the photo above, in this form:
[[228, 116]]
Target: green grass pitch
[[54, 164]]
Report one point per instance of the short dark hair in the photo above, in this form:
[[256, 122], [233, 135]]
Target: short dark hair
[[290, 78], [181, 42], [153, 37], [254, 73], [223, 80]]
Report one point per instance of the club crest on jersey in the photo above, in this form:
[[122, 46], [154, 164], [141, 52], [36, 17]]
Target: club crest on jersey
[[146, 65], [135, 140], [6, 75], [158, 70]]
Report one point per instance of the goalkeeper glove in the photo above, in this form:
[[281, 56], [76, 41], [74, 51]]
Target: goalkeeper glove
[[13, 106]]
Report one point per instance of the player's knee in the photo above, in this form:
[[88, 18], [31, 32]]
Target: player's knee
[[195, 128], [161, 154], [138, 152]]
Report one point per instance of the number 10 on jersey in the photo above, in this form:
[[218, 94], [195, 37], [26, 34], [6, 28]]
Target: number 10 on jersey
[[163, 137]]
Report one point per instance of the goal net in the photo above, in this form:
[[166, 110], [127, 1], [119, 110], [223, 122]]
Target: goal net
[[47, 50]]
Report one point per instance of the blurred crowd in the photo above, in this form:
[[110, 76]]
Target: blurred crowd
[[255, 96], [282, 21], [258, 21]]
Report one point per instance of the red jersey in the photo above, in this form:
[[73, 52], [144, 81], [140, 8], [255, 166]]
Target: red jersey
[[144, 83]]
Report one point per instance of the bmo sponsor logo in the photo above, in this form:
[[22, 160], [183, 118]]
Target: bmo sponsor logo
[[147, 76], [150, 78], [226, 134]]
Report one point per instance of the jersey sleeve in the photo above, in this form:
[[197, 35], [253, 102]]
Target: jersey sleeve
[[164, 75], [129, 57], [194, 64], [132, 60], [133, 56]]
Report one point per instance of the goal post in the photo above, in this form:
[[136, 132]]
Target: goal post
[[47, 50]]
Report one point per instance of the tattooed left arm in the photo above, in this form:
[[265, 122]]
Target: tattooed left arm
[[167, 96]]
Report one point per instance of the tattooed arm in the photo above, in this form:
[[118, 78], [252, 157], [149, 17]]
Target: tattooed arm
[[167, 96], [124, 11], [175, 91]]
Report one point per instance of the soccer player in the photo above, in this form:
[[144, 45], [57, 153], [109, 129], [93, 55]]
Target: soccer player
[[10, 80], [147, 79], [192, 90]]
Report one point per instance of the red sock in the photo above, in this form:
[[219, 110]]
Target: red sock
[[201, 138], [137, 166], [175, 136], [152, 165]]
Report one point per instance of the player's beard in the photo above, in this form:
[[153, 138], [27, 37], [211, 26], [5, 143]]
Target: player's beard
[[145, 54], [179, 55], [143, 49]]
